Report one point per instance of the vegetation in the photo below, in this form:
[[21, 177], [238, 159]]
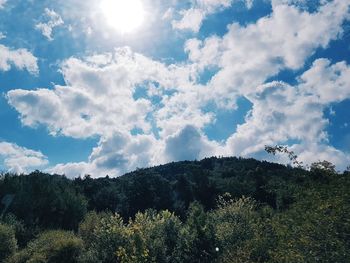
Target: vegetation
[[214, 210], [8, 242], [55, 246]]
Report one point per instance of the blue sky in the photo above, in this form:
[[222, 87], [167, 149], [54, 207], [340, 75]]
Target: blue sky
[[101, 87]]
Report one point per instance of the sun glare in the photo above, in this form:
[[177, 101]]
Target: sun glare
[[124, 15]]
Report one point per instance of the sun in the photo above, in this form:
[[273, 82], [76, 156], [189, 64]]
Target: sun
[[124, 15]]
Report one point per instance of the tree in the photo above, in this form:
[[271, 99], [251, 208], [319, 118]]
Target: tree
[[152, 237], [242, 235], [103, 234], [198, 242], [323, 166], [23, 234], [8, 243], [284, 149], [51, 247], [316, 228], [44, 200]]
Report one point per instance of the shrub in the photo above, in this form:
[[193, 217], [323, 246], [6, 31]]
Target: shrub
[[51, 247], [8, 243]]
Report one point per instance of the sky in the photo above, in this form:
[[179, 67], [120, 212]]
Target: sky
[[103, 87]]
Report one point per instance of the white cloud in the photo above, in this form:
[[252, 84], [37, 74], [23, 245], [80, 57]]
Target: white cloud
[[97, 87], [72, 170], [204, 53], [2, 35], [279, 114], [188, 144], [192, 18], [99, 99], [114, 156], [101, 95], [315, 152], [121, 153], [20, 58], [328, 83], [283, 113], [18, 159], [2, 3], [53, 20], [248, 55]]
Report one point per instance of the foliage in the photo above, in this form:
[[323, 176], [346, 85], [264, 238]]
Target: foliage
[[214, 210], [284, 149], [22, 233], [199, 242], [317, 227], [48, 201], [240, 230], [323, 166], [51, 247], [102, 235], [8, 243], [151, 237]]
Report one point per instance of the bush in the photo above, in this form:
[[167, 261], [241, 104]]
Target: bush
[[23, 234], [8, 243], [102, 234], [316, 228], [241, 233], [151, 237], [51, 247], [198, 242]]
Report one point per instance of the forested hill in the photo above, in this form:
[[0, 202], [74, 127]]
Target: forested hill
[[175, 185], [213, 210]]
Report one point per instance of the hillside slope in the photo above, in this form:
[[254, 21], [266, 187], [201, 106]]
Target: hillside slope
[[214, 210]]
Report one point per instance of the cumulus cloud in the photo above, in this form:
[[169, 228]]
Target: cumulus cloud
[[18, 159], [2, 35], [102, 95], [20, 58], [279, 114], [101, 99], [120, 153], [53, 20], [192, 18], [248, 55], [99, 86], [188, 144], [71, 170], [315, 152], [326, 82], [283, 113], [114, 155]]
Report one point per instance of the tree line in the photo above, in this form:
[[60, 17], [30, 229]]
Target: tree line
[[213, 210]]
